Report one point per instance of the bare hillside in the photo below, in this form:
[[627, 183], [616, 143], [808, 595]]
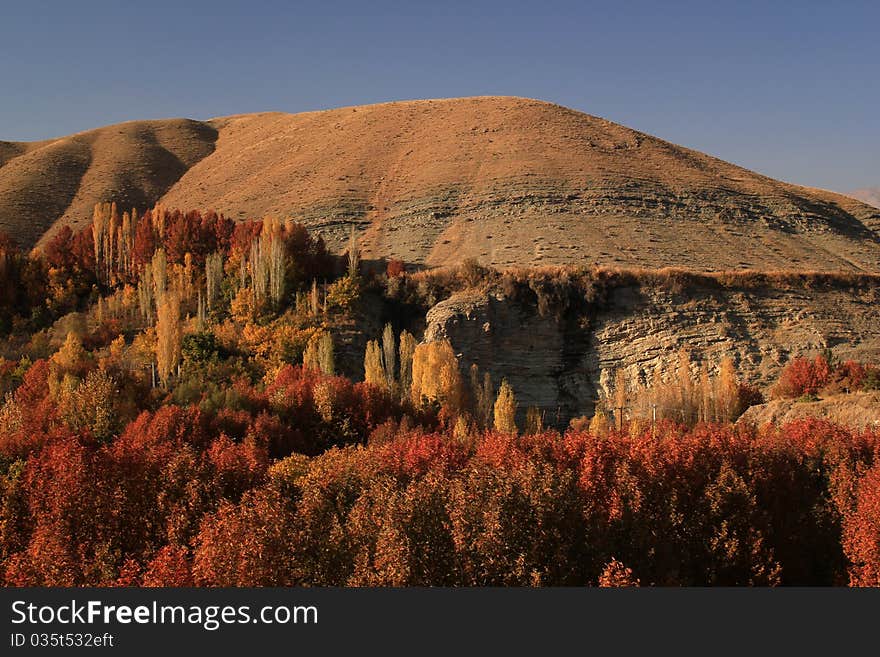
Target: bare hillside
[[48, 184], [505, 180]]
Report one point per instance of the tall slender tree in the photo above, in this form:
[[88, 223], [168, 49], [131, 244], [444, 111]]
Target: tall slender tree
[[374, 368], [505, 409], [168, 337], [389, 353]]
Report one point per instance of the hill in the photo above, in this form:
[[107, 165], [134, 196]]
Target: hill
[[44, 185], [869, 195], [505, 180]]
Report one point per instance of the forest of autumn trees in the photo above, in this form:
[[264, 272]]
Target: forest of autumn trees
[[186, 401]]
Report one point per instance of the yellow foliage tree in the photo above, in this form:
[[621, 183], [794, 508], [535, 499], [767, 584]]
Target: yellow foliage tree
[[159, 266], [89, 405], [435, 375], [505, 409], [68, 363], [389, 354], [534, 420], [71, 357], [405, 352], [374, 369], [599, 426], [319, 353], [168, 336]]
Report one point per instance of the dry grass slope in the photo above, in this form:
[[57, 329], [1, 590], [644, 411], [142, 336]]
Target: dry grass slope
[[48, 184], [509, 181]]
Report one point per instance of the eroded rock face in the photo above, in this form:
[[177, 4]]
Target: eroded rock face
[[564, 364], [514, 342]]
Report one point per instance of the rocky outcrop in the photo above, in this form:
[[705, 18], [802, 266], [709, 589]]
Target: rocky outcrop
[[563, 364], [859, 410]]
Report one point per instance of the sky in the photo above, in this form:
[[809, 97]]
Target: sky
[[789, 89]]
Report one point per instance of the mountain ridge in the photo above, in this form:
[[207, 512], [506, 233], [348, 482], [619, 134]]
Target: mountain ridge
[[506, 180]]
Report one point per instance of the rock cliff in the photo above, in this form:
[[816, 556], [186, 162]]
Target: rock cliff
[[564, 363]]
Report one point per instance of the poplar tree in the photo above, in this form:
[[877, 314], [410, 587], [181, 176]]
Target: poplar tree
[[314, 300], [159, 265], [354, 255], [534, 420], [258, 267], [483, 396], [505, 409], [406, 351], [436, 376], [374, 368], [213, 278], [277, 268], [319, 353], [389, 352], [168, 335], [620, 398], [326, 357], [145, 295]]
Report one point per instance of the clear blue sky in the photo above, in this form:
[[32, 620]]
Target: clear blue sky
[[790, 89]]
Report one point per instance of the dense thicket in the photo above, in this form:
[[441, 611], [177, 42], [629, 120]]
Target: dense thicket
[[173, 414], [186, 496]]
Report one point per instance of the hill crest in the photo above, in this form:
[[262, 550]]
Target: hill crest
[[507, 180]]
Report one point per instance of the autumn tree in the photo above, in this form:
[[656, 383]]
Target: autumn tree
[[168, 337], [314, 299], [505, 409], [861, 531], [89, 405], [534, 420], [617, 575], [436, 376], [277, 269], [407, 347], [389, 353], [213, 278], [354, 255], [101, 215], [803, 377], [483, 396], [599, 425], [71, 357], [159, 272], [685, 398], [145, 292], [374, 367], [319, 354]]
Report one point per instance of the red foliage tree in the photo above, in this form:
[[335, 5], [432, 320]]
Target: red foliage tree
[[169, 568], [395, 268], [804, 377], [146, 240], [249, 544], [861, 536], [58, 251]]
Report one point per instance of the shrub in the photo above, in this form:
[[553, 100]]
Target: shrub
[[803, 377]]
